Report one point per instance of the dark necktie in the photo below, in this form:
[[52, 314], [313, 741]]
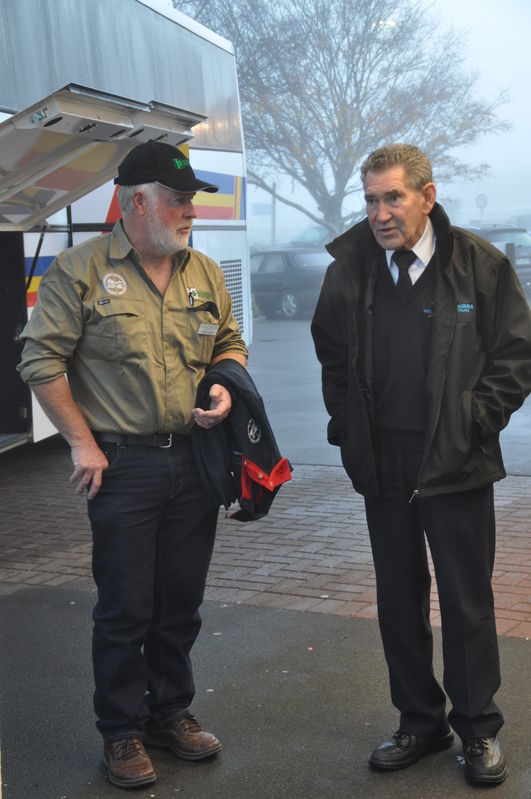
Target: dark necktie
[[403, 259]]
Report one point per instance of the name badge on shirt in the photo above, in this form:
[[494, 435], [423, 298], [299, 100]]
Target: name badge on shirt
[[206, 329]]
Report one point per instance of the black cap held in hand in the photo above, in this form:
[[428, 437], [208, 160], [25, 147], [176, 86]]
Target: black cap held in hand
[[157, 162]]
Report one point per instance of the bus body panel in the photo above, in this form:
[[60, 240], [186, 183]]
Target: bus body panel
[[105, 89]]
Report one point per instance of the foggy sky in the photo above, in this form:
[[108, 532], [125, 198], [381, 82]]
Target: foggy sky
[[498, 49]]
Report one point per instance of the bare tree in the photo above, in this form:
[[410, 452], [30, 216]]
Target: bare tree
[[324, 82]]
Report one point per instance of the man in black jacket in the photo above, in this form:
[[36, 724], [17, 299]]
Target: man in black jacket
[[424, 336]]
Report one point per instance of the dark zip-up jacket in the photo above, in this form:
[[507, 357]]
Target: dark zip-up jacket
[[479, 367]]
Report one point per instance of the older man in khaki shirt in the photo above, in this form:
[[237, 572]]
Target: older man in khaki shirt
[[134, 318]]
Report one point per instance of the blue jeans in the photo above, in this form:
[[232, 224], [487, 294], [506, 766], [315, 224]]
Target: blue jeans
[[153, 526]]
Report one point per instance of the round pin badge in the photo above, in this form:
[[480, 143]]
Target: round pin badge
[[254, 434], [114, 284]]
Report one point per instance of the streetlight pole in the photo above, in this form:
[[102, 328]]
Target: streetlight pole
[[274, 215]]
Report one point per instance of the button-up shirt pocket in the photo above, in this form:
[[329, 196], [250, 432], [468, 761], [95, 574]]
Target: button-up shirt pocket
[[203, 321], [116, 329]]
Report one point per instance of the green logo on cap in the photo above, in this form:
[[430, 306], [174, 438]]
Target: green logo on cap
[[180, 163]]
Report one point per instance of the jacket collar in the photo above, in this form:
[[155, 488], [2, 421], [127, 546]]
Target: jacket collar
[[361, 238]]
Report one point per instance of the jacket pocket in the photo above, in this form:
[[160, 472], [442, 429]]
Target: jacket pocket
[[457, 453], [356, 444], [336, 427], [464, 431]]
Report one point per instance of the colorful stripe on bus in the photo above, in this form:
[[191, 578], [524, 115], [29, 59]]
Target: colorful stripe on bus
[[43, 262], [227, 203]]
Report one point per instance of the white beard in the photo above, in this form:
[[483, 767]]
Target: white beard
[[163, 239]]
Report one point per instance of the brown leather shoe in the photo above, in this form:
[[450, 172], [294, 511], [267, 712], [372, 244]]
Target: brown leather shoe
[[184, 737], [128, 764]]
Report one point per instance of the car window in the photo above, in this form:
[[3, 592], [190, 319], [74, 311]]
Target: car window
[[272, 262], [256, 260], [312, 260], [518, 237]]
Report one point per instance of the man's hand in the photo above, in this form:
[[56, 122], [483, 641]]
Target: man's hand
[[89, 464], [220, 405], [88, 459]]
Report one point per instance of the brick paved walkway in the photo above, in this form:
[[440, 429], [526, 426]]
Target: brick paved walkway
[[310, 553]]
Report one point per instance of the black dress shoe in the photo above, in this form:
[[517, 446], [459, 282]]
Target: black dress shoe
[[484, 760], [403, 749]]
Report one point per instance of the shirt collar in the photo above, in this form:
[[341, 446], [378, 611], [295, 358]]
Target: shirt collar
[[424, 248], [120, 246]]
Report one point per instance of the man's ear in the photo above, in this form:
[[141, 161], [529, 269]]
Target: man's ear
[[139, 202], [429, 193]]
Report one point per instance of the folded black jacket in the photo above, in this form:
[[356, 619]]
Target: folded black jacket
[[239, 459]]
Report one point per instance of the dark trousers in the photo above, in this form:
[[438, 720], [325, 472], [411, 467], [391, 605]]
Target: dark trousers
[[153, 527], [460, 531]]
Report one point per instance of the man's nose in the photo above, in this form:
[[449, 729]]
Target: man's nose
[[190, 210], [382, 211]]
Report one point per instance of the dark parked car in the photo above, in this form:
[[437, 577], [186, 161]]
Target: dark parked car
[[515, 242], [288, 280]]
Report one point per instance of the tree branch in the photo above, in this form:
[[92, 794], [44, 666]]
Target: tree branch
[[325, 82], [256, 180]]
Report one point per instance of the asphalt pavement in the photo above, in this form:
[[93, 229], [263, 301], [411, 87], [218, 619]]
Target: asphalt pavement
[[298, 700]]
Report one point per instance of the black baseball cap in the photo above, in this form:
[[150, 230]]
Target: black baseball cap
[[158, 162]]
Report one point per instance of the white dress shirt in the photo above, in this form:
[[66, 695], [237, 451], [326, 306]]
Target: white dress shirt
[[423, 249]]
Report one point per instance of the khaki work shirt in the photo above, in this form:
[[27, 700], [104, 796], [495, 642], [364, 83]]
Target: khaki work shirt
[[133, 357]]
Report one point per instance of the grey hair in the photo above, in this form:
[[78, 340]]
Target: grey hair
[[417, 165], [126, 193]]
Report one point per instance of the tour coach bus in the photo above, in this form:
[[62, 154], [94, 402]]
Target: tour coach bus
[[82, 83]]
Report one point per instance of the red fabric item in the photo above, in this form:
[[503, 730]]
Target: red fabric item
[[252, 474]]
